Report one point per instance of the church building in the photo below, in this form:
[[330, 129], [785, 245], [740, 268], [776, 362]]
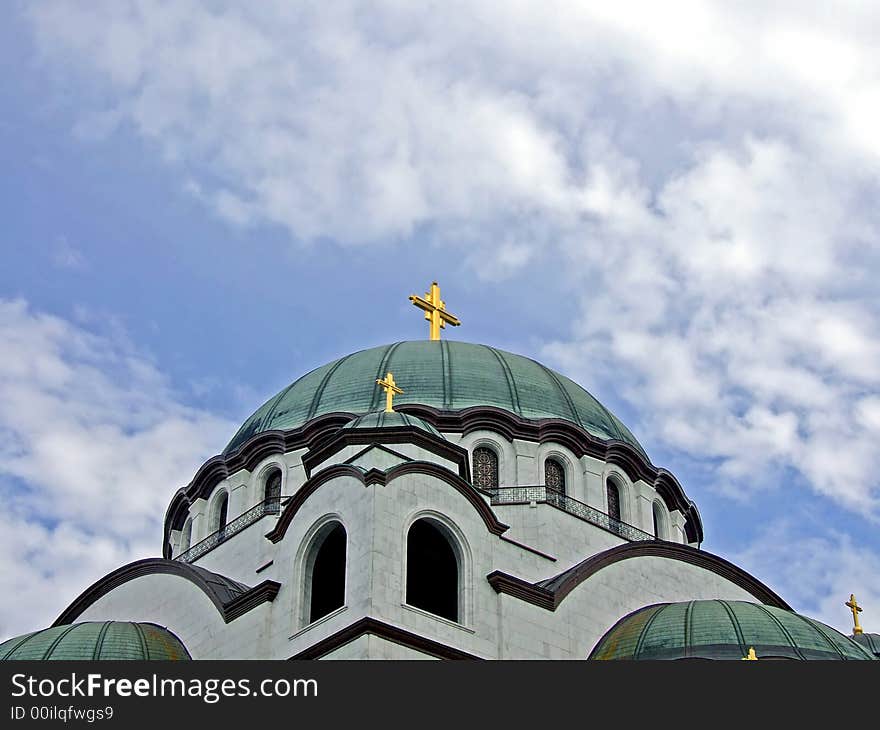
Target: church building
[[434, 499]]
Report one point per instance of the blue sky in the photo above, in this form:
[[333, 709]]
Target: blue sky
[[201, 202]]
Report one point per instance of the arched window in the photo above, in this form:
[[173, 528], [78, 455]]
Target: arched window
[[485, 468], [431, 570], [325, 572], [658, 521], [612, 491], [186, 536], [272, 491], [554, 476], [220, 513]]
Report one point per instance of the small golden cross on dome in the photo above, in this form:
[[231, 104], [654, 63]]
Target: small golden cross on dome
[[856, 610], [435, 310], [751, 656], [390, 388]]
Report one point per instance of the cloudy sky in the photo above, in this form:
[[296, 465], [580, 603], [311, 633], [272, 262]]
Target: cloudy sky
[[676, 207]]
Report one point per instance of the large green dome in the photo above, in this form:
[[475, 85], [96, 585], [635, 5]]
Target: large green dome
[[871, 642], [722, 630], [96, 640], [446, 375]]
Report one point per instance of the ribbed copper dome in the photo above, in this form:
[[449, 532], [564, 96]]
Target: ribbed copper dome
[[722, 630], [96, 640], [446, 375]]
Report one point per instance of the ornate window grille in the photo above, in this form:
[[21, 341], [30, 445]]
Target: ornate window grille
[[658, 521], [266, 507], [222, 511], [485, 468], [554, 475], [273, 486], [527, 495], [613, 494]]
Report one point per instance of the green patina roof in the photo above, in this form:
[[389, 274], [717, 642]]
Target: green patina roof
[[443, 374], [871, 642], [96, 640], [382, 419], [722, 630]]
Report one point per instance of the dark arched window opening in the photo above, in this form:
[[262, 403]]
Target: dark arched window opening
[[222, 510], [613, 494], [431, 571], [327, 574], [554, 476], [485, 468], [658, 521], [272, 493]]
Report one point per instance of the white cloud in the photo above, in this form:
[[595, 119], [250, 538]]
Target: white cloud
[[93, 443], [727, 322], [706, 175], [815, 574]]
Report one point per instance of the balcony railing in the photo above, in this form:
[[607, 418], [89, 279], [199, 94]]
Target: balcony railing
[[545, 495], [271, 506]]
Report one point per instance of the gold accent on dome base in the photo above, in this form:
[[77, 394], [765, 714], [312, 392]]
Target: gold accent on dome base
[[856, 610]]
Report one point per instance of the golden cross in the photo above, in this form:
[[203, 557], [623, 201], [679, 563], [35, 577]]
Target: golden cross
[[390, 388], [856, 610], [751, 656], [435, 310]]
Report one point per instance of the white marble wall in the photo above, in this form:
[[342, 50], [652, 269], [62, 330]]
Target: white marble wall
[[376, 520]]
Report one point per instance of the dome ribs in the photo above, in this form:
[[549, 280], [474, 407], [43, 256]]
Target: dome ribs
[[446, 368], [319, 391], [375, 400], [511, 382]]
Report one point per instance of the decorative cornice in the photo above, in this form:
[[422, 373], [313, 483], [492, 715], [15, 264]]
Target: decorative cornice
[[576, 439], [321, 432], [392, 435], [263, 592], [518, 588], [385, 478], [550, 593], [231, 599], [385, 631]]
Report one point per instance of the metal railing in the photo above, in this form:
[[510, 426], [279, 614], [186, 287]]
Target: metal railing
[[271, 506], [545, 495]]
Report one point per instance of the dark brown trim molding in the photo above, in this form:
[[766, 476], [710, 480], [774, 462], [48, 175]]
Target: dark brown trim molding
[[322, 431], [385, 631], [523, 546], [549, 594], [518, 588], [263, 592], [231, 599], [397, 435], [385, 478]]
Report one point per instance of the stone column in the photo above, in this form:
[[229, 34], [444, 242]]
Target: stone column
[[238, 501], [199, 513], [676, 527], [644, 507], [594, 486]]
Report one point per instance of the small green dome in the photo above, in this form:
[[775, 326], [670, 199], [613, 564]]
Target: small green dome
[[96, 640], [382, 419], [446, 375], [722, 630], [871, 642]]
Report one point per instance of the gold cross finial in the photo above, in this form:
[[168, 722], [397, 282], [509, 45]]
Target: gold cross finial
[[751, 656], [435, 310], [390, 388], [856, 610]]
